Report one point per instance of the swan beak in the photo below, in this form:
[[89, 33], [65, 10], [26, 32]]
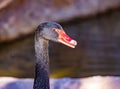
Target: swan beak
[[65, 39]]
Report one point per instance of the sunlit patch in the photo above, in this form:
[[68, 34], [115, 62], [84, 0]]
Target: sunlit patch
[[98, 82]]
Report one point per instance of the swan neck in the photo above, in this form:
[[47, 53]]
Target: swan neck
[[42, 64], [41, 51]]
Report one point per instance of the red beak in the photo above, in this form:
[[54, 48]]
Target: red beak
[[65, 39]]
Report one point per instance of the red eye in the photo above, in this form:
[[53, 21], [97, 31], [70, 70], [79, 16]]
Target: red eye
[[53, 29]]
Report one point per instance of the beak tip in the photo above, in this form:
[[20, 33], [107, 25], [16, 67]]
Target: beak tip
[[73, 42]]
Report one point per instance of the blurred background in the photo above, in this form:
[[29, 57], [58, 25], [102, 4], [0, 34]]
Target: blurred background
[[94, 24]]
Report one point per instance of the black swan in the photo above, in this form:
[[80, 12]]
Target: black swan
[[45, 32]]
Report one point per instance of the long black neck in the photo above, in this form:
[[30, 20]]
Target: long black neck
[[42, 64]]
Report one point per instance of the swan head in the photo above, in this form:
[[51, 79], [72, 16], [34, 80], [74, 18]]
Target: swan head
[[54, 32]]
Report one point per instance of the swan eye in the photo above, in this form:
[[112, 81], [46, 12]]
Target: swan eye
[[53, 29]]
